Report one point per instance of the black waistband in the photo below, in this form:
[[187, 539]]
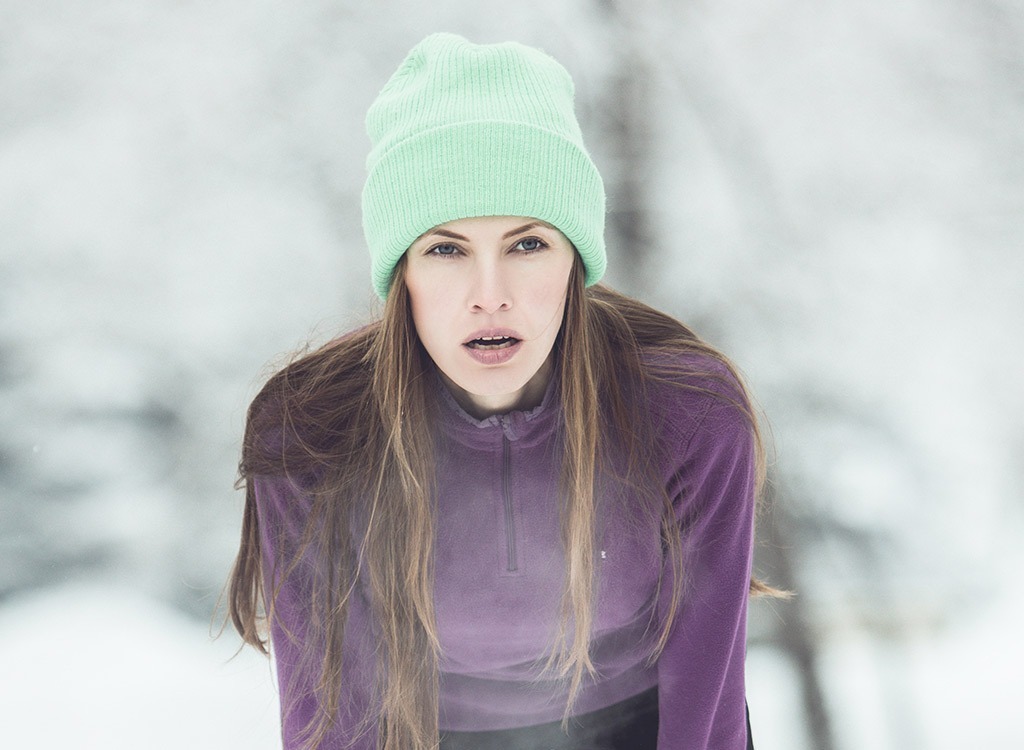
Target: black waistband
[[632, 724]]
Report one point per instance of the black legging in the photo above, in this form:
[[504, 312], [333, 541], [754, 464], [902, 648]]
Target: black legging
[[631, 724]]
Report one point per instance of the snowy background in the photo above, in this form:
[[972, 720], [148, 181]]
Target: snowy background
[[831, 192]]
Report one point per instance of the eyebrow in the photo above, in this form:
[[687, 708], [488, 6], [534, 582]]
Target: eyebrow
[[511, 233]]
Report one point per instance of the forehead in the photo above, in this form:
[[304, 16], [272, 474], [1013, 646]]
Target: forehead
[[484, 226], [494, 222]]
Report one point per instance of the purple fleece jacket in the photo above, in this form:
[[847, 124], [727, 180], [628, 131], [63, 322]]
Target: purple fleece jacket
[[499, 571]]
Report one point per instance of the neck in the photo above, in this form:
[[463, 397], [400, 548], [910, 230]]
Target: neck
[[483, 406]]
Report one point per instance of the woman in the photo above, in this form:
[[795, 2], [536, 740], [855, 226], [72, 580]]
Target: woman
[[517, 511]]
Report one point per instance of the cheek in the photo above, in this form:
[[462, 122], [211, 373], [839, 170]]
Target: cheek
[[431, 316], [423, 321], [426, 289], [548, 300], [420, 307]]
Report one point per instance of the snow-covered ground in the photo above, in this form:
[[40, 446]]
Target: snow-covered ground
[[96, 666]]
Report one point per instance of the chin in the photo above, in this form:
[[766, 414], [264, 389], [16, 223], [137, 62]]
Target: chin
[[493, 386]]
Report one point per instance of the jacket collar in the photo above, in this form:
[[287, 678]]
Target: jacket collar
[[514, 425]]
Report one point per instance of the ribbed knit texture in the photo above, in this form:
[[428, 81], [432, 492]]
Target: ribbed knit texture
[[463, 130]]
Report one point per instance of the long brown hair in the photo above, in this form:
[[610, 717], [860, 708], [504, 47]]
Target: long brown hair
[[351, 422]]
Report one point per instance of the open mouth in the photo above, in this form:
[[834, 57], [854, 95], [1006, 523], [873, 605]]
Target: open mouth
[[492, 342]]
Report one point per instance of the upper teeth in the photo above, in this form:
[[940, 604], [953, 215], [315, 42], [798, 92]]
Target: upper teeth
[[492, 338]]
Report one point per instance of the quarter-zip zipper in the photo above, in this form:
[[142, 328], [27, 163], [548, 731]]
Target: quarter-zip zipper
[[506, 486]]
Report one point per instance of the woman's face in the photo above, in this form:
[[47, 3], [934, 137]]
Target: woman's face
[[487, 298]]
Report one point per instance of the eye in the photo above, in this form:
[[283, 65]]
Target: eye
[[447, 250], [531, 245]]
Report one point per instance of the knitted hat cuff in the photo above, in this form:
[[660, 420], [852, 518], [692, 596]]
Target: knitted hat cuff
[[481, 168]]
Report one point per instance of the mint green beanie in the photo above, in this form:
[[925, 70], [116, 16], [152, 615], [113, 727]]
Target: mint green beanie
[[463, 130]]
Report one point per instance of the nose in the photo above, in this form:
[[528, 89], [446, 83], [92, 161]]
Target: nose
[[489, 289]]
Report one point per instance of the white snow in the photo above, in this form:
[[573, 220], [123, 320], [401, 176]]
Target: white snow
[[93, 666]]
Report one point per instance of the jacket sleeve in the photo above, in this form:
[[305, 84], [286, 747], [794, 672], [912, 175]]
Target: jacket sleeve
[[701, 689], [282, 507]]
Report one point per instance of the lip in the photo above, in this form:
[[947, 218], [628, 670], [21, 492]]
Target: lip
[[493, 333], [496, 356]]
